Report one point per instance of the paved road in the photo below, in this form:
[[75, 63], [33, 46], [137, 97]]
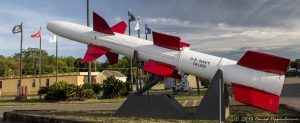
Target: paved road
[[290, 95], [95, 106]]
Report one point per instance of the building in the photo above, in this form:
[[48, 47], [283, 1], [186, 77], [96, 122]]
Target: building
[[108, 73], [9, 85]]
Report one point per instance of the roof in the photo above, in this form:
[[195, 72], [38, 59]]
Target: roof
[[112, 73]]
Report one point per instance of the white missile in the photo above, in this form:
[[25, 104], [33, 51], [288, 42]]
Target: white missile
[[257, 78]]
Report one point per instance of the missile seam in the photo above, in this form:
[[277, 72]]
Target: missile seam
[[155, 53]]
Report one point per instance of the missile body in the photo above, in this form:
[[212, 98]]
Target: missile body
[[252, 82]]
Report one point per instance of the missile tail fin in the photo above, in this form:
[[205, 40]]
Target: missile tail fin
[[119, 27], [100, 25], [158, 68], [264, 62], [93, 52], [112, 57], [168, 41], [254, 97]]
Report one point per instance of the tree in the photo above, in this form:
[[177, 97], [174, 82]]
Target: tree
[[8, 66]]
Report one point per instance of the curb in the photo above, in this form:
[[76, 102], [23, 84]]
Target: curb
[[16, 116], [290, 107], [30, 118]]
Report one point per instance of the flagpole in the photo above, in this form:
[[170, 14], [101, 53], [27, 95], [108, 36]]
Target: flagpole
[[138, 70], [88, 24], [131, 69], [21, 47], [40, 60]]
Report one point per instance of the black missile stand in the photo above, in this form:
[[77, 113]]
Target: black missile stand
[[166, 106], [215, 103]]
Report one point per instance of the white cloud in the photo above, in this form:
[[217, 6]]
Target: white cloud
[[32, 20], [225, 38], [166, 21]]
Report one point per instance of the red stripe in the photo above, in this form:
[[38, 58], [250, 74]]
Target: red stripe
[[264, 62], [254, 97], [158, 68]]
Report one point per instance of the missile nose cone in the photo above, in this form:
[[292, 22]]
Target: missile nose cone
[[52, 25]]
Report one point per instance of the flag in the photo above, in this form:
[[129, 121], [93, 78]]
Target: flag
[[52, 39], [17, 29], [131, 17], [137, 26], [36, 35], [147, 29]]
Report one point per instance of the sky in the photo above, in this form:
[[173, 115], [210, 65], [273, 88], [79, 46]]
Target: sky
[[226, 28]]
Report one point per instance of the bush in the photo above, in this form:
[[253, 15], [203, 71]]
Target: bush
[[43, 90], [113, 88], [96, 87], [58, 91], [63, 91], [80, 92]]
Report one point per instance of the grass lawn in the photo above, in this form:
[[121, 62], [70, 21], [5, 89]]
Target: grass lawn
[[34, 100], [108, 116]]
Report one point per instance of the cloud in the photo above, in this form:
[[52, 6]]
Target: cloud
[[166, 21], [233, 39], [224, 28], [32, 20]]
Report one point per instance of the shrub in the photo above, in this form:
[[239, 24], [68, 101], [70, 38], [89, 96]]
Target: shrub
[[113, 88], [63, 91], [43, 90], [79, 92], [96, 87], [58, 91]]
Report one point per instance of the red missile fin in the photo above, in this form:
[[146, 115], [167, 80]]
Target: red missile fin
[[183, 44], [158, 68], [254, 97], [166, 41], [93, 52], [100, 25], [119, 27], [264, 62], [112, 57]]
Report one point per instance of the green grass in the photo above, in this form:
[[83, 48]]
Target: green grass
[[108, 116], [12, 102], [34, 100]]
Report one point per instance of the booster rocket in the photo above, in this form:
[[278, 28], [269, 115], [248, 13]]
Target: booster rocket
[[256, 79]]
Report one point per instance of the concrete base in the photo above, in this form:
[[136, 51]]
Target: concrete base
[[155, 106]]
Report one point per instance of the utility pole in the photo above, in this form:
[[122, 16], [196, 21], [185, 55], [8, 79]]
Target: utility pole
[[88, 24], [139, 72], [40, 59], [21, 58], [56, 45]]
